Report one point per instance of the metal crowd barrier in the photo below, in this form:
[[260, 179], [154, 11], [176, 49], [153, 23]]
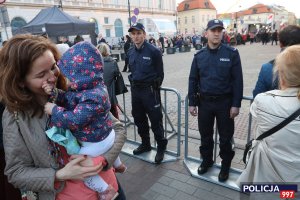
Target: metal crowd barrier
[[192, 163], [172, 133]]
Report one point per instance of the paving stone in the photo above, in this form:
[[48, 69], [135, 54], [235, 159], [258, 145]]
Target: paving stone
[[163, 197], [222, 191], [183, 196], [178, 176], [184, 187], [204, 194], [150, 195], [200, 183], [178, 167], [165, 180], [165, 190]]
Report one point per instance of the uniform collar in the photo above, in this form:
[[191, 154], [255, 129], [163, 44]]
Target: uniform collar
[[214, 50], [143, 45]]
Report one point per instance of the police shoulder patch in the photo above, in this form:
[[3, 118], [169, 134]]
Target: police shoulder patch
[[231, 48]]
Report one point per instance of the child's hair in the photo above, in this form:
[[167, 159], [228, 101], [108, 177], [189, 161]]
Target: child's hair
[[104, 49], [288, 67]]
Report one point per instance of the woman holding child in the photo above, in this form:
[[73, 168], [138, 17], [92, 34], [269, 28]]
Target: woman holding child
[[33, 162]]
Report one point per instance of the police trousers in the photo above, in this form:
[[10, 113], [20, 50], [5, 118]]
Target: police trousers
[[208, 111], [146, 102]]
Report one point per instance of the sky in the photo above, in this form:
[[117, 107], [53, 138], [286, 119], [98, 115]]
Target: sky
[[224, 6]]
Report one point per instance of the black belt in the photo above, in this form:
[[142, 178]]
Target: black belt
[[215, 97]]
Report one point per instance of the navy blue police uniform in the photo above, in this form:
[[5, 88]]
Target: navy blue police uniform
[[147, 74], [216, 85]]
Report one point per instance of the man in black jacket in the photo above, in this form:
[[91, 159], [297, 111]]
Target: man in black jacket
[[146, 77], [127, 46]]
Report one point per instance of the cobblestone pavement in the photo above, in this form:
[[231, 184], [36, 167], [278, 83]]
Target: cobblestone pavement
[[172, 180]]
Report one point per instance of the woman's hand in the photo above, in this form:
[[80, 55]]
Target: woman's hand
[[74, 171], [87, 162]]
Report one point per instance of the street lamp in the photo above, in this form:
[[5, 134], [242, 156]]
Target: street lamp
[[129, 12]]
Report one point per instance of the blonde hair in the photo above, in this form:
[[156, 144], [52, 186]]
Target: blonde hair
[[104, 49], [287, 65]]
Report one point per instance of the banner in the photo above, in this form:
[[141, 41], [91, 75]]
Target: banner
[[270, 19]]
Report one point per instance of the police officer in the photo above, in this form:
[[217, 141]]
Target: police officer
[[216, 87], [147, 74]]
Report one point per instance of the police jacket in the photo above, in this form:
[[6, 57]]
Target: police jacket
[[216, 72], [146, 64]]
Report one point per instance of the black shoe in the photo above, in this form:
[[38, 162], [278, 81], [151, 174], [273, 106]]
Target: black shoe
[[203, 168], [223, 175], [141, 149], [159, 156], [123, 70]]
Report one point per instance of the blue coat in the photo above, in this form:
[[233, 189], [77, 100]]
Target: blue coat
[[216, 72], [265, 79], [146, 64]]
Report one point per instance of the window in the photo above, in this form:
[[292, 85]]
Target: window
[[96, 25], [206, 4], [185, 20], [118, 28], [193, 19], [186, 6], [186, 31], [159, 4], [178, 20], [107, 31], [105, 20], [254, 11]]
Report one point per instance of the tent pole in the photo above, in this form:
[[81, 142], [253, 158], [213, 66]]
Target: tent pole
[[129, 12]]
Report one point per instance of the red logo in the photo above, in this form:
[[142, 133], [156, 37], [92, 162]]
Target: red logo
[[287, 194]]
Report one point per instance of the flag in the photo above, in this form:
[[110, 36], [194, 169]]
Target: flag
[[270, 19]]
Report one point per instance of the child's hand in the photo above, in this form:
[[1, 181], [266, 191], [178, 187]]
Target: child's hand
[[48, 108], [47, 87]]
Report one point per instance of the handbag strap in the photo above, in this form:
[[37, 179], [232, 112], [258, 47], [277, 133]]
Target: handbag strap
[[279, 126]]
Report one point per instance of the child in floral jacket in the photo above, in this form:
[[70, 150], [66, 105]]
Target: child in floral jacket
[[85, 112]]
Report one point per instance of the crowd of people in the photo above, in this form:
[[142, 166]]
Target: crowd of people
[[61, 133]]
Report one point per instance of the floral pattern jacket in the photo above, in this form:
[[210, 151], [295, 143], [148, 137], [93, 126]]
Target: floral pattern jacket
[[86, 103]]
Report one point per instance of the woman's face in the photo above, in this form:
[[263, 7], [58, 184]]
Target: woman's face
[[43, 69]]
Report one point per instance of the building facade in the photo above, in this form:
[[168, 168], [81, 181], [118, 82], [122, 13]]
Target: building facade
[[193, 16], [258, 17], [111, 17]]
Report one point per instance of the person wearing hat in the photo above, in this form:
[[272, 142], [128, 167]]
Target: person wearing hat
[[215, 93], [147, 74]]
